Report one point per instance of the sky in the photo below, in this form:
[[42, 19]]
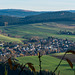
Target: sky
[[38, 5]]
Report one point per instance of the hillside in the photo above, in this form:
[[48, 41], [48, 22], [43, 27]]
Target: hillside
[[43, 30], [9, 39], [51, 17], [73, 11], [44, 17], [48, 63], [42, 25], [17, 12], [23, 13], [10, 20]]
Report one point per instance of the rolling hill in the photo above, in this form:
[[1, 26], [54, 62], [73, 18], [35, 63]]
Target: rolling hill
[[50, 17], [17, 12], [43, 30], [48, 63], [73, 11], [23, 13], [42, 25], [43, 17]]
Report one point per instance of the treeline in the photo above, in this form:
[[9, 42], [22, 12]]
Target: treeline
[[66, 32], [44, 17]]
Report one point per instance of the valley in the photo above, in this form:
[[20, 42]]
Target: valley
[[42, 30], [25, 33]]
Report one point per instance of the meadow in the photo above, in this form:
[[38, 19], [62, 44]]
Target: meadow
[[49, 63], [43, 30], [9, 39]]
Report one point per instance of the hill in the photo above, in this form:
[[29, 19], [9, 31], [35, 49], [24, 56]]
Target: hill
[[42, 25], [44, 17], [9, 39], [48, 63], [51, 17], [43, 30], [17, 12], [23, 13], [73, 11]]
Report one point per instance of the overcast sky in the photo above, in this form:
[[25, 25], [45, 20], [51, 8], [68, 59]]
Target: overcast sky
[[38, 5]]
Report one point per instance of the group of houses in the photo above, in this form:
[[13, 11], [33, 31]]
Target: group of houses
[[33, 46]]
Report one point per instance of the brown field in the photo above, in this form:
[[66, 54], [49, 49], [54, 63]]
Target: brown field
[[71, 57], [66, 26]]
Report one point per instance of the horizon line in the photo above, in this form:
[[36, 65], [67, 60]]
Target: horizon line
[[34, 10]]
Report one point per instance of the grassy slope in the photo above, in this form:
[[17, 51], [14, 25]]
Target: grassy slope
[[48, 62], [9, 39], [41, 29]]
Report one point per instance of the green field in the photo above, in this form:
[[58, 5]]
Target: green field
[[48, 62], [40, 29], [9, 39]]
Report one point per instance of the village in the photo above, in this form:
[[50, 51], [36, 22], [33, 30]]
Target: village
[[33, 46]]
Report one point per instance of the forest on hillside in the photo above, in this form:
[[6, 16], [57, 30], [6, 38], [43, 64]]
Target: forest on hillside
[[44, 17]]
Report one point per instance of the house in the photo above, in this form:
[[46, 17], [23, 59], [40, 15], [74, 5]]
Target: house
[[1, 44]]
